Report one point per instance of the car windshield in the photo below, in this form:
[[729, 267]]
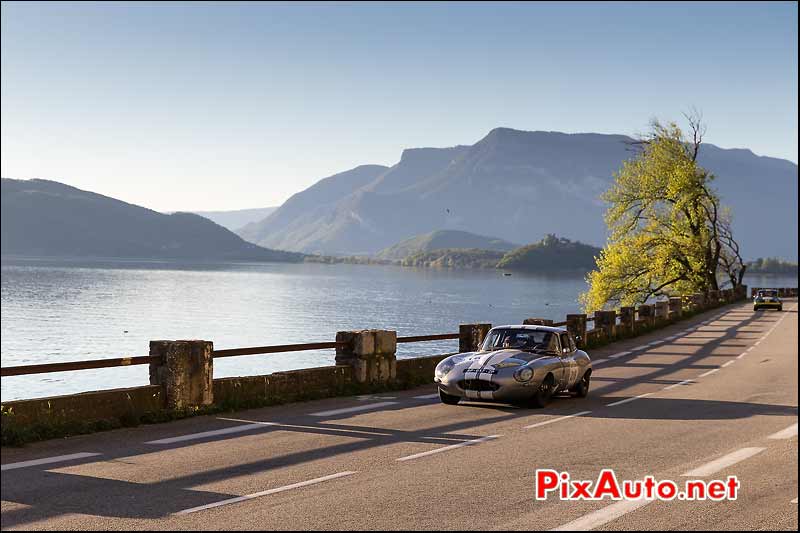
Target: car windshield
[[520, 339], [767, 294]]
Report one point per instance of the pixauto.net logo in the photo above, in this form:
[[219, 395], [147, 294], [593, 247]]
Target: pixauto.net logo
[[606, 486]]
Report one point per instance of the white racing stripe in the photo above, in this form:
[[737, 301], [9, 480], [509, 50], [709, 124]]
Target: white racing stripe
[[787, 433], [448, 448], [264, 493], [626, 400], [603, 516], [546, 422], [214, 433], [47, 460], [723, 462], [357, 408]]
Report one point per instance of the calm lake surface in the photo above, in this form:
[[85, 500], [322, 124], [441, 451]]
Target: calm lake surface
[[61, 310]]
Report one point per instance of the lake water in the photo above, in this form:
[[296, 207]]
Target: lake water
[[60, 310]]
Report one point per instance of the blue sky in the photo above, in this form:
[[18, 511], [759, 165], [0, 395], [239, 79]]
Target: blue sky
[[224, 106]]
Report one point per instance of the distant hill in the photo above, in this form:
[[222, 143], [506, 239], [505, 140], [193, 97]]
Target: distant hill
[[444, 239], [551, 254], [47, 218], [521, 185], [454, 258], [235, 220]]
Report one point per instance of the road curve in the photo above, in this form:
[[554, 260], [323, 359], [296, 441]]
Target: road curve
[[712, 396]]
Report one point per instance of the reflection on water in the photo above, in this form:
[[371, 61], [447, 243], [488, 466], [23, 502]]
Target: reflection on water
[[61, 310]]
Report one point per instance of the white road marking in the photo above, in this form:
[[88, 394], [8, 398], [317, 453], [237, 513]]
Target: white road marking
[[620, 354], [741, 355], [793, 501], [626, 400], [355, 409], [598, 361], [642, 347], [427, 396], [603, 516], [47, 460], [264, 493], [729, 363], [684, 382], [214, 433], [704, 374], [556, 419], [448, 448], [723, 462], [654, 343], [787, 433]]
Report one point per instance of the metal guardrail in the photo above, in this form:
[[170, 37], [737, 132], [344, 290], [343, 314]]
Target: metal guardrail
[[47, 368]]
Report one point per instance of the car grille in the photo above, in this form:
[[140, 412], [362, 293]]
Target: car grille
[[478, 385]]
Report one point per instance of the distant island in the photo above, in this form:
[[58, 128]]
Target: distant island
[[45, 218], [550, 254]]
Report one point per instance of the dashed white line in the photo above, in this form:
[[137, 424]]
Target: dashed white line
[[654, 343], [728, 363], [47, 460], [723, 462], [598, 361], [787, 433], [684, 382], [214, 433], [265, 493], [546, 422], [355, 409], [427, 396], [620, 354], [448, 448], [626, 400], [603, 516], [704, 374], [642, 347]]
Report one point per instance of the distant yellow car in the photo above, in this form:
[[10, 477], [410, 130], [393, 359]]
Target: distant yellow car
[[767, 299]]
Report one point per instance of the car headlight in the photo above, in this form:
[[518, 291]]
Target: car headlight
[[523, 374], [444, 368]]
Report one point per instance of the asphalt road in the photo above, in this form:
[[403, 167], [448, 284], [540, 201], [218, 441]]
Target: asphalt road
[[714, 396]]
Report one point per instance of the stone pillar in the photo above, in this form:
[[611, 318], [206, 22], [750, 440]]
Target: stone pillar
[[742, 292], [647, 315], [370, 352], [186, 371], [698, 301], [662, 310], [675, 306], [606, 321], [470, 336], [537, 322], [576, 324], [627, 318]]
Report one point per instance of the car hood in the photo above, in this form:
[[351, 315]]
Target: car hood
[[488, 359]]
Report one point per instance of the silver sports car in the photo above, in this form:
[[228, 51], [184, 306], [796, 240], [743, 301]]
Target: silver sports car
[[516, 364]]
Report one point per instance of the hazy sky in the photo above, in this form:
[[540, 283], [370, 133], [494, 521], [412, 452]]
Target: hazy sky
[[225, 106]]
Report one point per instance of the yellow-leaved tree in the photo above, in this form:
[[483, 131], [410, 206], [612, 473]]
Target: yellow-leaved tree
[[668, 233]]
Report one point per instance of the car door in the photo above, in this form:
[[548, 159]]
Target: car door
[[568, 362]]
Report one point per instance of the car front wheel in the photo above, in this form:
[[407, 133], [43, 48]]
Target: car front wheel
[[447, 398], [545, 392]]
